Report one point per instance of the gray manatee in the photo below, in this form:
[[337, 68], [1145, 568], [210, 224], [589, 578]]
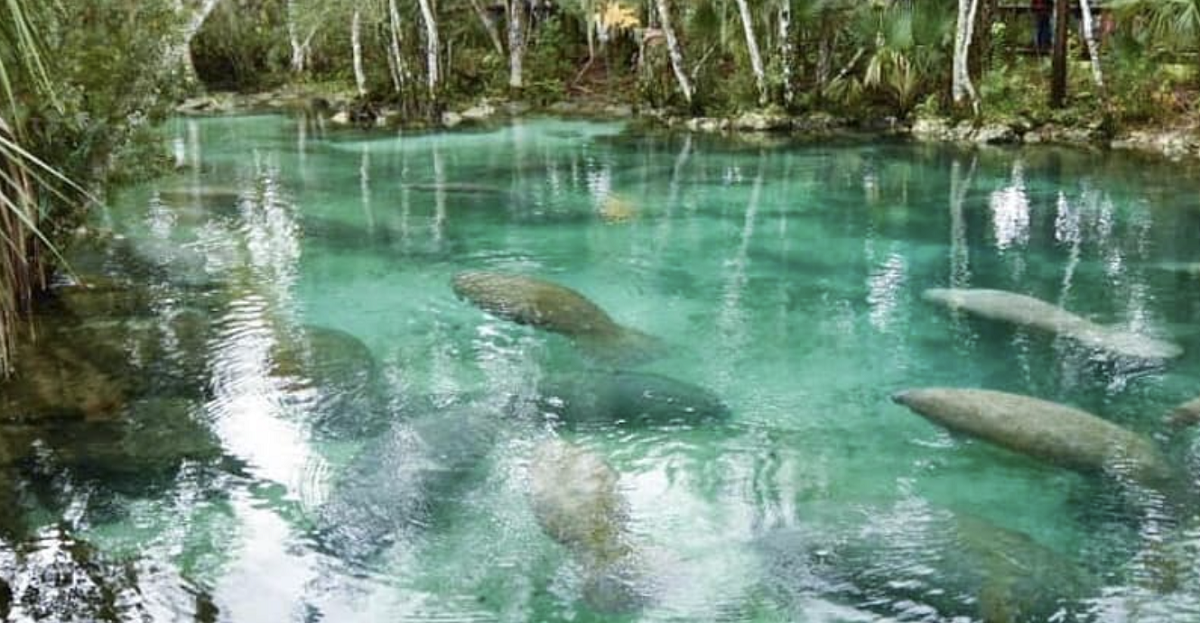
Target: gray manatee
[[574, 496], [331, 379], [1043, 430], [556, 308], [1186, 414], [628, 398], [398, 484], [917, 563], [1027, 311]]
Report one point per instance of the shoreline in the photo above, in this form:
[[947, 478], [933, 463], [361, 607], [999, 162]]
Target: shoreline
[[1173, 143]]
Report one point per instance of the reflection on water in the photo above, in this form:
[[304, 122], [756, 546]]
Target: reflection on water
[[268, 405]]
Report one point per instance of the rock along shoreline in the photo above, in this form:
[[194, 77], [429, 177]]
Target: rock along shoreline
[[1173, 143]]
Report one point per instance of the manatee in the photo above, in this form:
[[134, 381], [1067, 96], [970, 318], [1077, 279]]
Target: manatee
[[1030, 312], [627, 398], [1187, 268], [214, 196], [556, 308], [1186, 414], [1040, 429], [458, 188], [396, 486], [332, 379], [574, 496], [918, 563]]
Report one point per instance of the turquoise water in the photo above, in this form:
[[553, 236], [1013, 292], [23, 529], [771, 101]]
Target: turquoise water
[[359, 444]]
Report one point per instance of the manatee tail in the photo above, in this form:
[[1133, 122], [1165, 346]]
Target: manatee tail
[[624, 347], [611, 592]]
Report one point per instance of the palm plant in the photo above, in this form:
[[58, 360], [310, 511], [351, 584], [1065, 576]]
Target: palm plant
[[1172, 24], [24, 178]]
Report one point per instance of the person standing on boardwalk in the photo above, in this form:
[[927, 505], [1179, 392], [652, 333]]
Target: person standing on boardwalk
[[1042, 37]]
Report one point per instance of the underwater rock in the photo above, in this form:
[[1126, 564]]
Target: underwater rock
[[1040, 429], [574, 496], [152, 436], [617, 209], [555, 308], [918, 563], [393, 489], [1186, 414], [627, 398], [1027, 311], [331, 377], [56, 379]]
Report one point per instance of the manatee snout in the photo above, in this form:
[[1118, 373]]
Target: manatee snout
[[902, 397]]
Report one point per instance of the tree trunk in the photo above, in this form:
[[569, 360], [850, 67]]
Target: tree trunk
[[664, 15], [399, 71], [756, 63], [1058, 61], [961, 87], [516, 43], [488, 25], [183, 51], [786, 50], [298, 55], [1089, 34], [431, 49], [360, 76]]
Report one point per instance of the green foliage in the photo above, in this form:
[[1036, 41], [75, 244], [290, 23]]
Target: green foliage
[[243, 45]]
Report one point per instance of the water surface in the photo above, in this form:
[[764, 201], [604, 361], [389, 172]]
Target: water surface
[[296, 318]]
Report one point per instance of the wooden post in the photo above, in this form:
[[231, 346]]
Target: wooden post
[[1058, 62]]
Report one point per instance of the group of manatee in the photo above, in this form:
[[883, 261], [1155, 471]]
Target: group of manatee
[[574, 496]]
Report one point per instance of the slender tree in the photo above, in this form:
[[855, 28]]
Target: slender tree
[[664, 16], [961, 87], [194, 18], [1089, 34], [360, 76], [1058, 60], [432, 47], [489, 25], [516, 43], [397, 65], [756, 62], [786, 50]]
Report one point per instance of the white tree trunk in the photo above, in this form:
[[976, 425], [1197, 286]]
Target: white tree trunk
[[516, 43], [432, 45], [664, 15], [399, 71], [298, 55], [360, 76], [786, 50], [488, 25], [182, 52], [756, 62], [961, 87], [1089, 33]]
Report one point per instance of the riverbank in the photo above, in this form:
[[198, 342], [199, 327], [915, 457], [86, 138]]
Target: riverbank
[[1177, 140]]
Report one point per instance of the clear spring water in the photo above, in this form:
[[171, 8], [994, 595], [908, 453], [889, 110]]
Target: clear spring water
[[786, 278]]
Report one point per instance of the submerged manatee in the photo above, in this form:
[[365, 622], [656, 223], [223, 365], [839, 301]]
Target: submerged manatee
[[918, 563], [461, 188], [1042, 430], [574, 496], [331, 378], [397, 485], [1030, 312], [1186, 414], [627, 397], [556, 308]]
